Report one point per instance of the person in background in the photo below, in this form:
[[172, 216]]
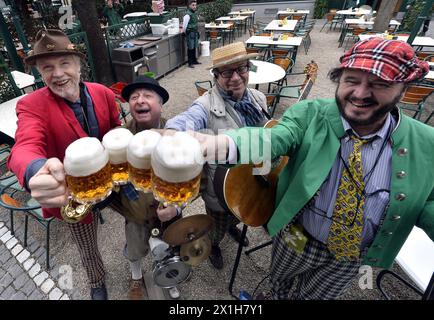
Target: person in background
[[189, 27], [113, 12]]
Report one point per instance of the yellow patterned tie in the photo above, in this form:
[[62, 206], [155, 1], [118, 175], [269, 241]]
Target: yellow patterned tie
[[345, 236]]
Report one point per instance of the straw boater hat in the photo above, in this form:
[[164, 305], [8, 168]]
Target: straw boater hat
[[51, 42], [232, 53]]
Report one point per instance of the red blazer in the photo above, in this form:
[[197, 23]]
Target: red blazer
[[47, 126]]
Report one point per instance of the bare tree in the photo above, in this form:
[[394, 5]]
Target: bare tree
[[87, 13], [384, 14]]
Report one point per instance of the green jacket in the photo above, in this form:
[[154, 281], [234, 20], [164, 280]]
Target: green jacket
[[310, 131], [112, 14]]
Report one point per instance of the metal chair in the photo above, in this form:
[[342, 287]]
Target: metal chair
[[286, 63], [203, 86], [414, 99], [14, 198]]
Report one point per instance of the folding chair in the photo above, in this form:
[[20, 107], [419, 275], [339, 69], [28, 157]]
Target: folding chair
[[414, 99], [203, 86]]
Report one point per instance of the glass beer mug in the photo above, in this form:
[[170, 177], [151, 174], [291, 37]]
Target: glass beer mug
[[88, 177], [116, 143], [177, 163], [139, 153]]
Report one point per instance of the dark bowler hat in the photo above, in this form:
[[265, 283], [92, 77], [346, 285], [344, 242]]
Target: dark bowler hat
[[51, 42], [147, 83]]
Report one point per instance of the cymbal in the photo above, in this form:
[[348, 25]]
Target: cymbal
[[196, 251], [187, 229]]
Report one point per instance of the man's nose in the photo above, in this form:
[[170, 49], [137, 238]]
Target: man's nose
[[235, 75], [362, 91], [57, 72]]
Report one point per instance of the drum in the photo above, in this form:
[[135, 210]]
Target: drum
[[87, 169], [116, 143], [170, 272], [139, 154], [177, 163]]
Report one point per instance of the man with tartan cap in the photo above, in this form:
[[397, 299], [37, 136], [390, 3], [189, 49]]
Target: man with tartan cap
[[359, 176]]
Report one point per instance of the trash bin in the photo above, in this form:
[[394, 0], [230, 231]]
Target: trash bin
[[128, 63], [204, 48]]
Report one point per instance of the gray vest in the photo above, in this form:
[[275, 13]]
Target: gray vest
[[222, 115]]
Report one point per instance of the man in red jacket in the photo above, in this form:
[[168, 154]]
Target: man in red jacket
[[49, 120]]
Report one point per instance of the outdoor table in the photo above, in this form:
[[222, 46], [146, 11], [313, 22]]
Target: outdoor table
[[235, 19], [23, 80], [274, 26], [220, 26], [8, 120], [418, 41], [357, 12], [135, 15], [249, 13], [291, 41], [286, 12]]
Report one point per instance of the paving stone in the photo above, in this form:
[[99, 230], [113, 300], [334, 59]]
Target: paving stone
[[16, 250], [5, 256], [21, 280], [11, 243], [6, 280], [65, 297], [32, 246], [34, 270], [29, 287], [2, 272], [55, 294], [1, 224], [23, 255], [19, 296], [3, 230], [9, 263], [4, 238], [3, 249], [15, 270], [28, 264], [7, 293], [47, 286], [40, 278], [36, 295]]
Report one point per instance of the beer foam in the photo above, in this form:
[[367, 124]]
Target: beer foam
[[116, 143], [84, 157], [140, 148], [177, 158]]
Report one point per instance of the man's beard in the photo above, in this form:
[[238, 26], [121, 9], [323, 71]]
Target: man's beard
[[67, 92], [375, 116]]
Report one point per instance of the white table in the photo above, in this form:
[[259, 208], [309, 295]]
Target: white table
[[358, 12], [291, 41], [418, 41], [416, 257], [23, 80], [362, 22], [218, 25], [135, 15], [286, 12], [8, 117], [274, 25], [238, 13], [237, 18]]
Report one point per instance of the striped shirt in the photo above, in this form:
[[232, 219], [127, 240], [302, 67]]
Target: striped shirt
[[316, 216]]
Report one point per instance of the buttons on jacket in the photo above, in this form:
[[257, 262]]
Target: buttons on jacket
[[400, 196], [401, 174], [402, 151], [387, 233], [395, 217]]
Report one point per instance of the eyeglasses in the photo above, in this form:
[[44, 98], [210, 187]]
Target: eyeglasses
[[227, 74]]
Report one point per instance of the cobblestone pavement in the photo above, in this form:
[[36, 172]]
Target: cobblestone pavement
[[22, 270]]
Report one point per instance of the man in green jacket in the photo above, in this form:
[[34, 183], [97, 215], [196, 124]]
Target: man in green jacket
[[113, 12], [360, 174], [189, 27]]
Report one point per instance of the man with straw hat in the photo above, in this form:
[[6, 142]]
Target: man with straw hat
[[228, 105], [49, 120]]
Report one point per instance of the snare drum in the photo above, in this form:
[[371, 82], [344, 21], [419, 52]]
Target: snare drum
[[170, 272]]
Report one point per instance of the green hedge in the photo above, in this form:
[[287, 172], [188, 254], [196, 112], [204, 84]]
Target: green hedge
[[210, 11]]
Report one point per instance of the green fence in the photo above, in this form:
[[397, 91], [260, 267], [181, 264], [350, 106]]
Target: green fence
[[8, 88]]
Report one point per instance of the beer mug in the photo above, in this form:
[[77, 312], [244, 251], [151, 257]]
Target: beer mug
[[116, 143], [177, 163], [139, 153], [87, 171]]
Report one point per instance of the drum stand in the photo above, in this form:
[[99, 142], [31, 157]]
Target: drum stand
[[238, 257]]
